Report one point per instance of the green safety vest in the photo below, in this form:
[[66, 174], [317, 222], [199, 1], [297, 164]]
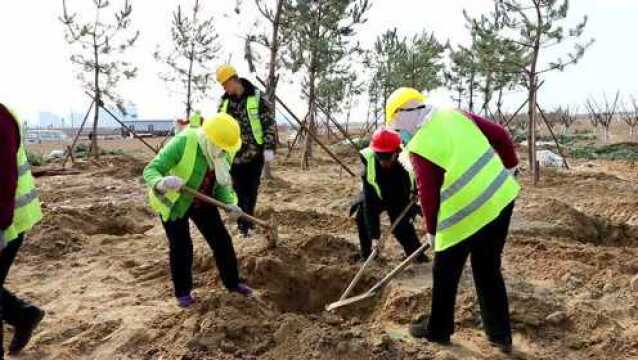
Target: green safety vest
[[371, 172], [476, 186], [27, 210], [195, 120], [163, 203], [252, 108]]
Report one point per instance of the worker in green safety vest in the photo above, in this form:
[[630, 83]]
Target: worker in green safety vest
[[462, 167], [199, 158], [196, 120], [387, 186], [19, 212], [243, 101]]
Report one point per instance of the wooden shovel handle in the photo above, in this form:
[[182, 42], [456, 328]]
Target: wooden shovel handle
[[219, 204]]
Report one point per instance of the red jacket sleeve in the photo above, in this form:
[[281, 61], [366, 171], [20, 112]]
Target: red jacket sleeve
[[9, 139], [499, 138], [429, 178]]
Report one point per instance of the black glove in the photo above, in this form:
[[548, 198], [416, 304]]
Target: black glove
[[356, 204]]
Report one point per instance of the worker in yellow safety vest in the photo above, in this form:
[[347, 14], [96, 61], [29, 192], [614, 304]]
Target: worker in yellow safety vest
[[387, 186], [460, 162], [200, 159], [19, 212], [243, 101]]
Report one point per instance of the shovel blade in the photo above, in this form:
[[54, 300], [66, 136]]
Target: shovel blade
[[348, 301]]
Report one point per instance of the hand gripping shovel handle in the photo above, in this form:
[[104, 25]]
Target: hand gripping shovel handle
[[375, 251], [219, 204]]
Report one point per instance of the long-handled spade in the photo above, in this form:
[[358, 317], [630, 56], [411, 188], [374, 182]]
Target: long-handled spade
[[382, 283], [375, 250], [271, 228]]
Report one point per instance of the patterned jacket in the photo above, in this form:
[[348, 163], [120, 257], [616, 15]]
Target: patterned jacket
[[250, 150]]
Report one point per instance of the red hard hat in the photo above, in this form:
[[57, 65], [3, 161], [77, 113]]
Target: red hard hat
[[385, 141]]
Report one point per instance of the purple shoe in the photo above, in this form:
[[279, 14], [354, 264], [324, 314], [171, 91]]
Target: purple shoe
[[243, 289], [186, 301]]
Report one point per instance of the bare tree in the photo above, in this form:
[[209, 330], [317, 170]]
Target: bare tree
[[603, 114], [100, 53], [195, 45], [566, 117], [630, 117]]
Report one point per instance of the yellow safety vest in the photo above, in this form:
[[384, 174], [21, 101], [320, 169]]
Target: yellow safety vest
[[195, 120], [476, 186], [27, 210], [163, 203], [252, 108], [371, 172]]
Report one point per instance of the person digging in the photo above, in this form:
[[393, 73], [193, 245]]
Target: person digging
[[387, 186], [463, 165], [198, 158], [255, 114], [19, 211]]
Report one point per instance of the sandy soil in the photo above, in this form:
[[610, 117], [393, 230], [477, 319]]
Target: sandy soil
[[98, 264]]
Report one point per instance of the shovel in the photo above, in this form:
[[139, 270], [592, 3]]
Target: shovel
[[375, 251], [271, 228], [381, 284]]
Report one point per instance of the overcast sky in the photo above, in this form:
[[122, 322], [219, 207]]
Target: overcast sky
[[36, 74]]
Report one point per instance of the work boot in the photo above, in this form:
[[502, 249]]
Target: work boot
[[242, 289], [186, 301], [419, 329], [24, 331]]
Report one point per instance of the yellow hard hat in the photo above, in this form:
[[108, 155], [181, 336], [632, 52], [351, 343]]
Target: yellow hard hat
[[399, 98], [225, 72], [223, 131]]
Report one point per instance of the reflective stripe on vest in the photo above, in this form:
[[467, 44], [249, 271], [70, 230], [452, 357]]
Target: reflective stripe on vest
[[371, 172], [27, 211], [252, 109], [476, 185]]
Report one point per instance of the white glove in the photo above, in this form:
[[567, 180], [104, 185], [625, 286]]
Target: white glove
[[375, 244], [234, 212], [173, 183], [269, 155], [430, 240]]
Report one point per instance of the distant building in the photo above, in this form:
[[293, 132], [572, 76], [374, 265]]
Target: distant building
[[149, 127]]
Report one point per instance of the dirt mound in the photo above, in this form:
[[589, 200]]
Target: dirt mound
[[119, 166], [318, 222], [562, 220]]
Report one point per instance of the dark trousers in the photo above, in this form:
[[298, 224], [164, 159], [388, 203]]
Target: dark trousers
[[246, 181], [13, 311], [485, 249], [209, 223], [404, 232]]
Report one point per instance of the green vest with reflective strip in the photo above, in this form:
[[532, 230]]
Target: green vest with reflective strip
[[196, 120], [371, 172], [163, 203], [476, 186], [27, 210], [252, 108]]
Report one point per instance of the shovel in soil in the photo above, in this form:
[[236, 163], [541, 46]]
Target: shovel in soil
[[382, 283], [271, 228], [375, 251]]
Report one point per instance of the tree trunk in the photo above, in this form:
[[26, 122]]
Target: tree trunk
[[271, 90], [98, 95], [307, 151], [533, 89], [471, 103]]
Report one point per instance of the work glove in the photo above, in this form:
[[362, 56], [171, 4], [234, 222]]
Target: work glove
[[269, 155], [234, 212], [375, 244], [173, 183], [430, 240], [514, 171]]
